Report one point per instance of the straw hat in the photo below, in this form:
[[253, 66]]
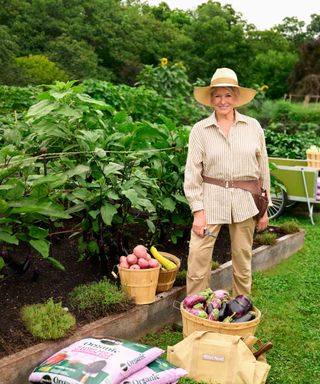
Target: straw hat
[[223, 77]]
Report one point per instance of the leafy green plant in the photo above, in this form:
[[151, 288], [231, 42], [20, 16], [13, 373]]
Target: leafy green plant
[[169, 80], [27, 203], [291, 146], [289, 227], [17, 98], [99, 298], [266, 238], [49, 321], [115, 172]]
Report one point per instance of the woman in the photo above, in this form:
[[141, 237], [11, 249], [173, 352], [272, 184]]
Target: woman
[[226, 152]]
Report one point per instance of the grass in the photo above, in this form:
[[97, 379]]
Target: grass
[[47, 321], [98, 297], [288, 296]]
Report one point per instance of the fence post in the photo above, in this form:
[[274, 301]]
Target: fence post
[[306, 99]]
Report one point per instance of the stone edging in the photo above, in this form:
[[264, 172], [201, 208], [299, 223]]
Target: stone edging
[[142, 319]]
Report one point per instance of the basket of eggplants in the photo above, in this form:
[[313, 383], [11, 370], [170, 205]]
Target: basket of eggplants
[[218, 305]]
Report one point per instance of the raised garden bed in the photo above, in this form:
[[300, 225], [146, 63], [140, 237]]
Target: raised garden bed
[[15, 368]]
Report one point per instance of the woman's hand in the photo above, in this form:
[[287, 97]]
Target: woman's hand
[[262, 223], [199, 223]]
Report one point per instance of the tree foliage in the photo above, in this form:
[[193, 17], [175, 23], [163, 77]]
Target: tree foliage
[[38, 69], [113, 40]]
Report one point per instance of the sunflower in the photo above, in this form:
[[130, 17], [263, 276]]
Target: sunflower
[[164, 61], [264, 88]]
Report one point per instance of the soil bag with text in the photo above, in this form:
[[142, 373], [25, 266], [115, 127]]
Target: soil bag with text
[[95, 360], [159, 371]]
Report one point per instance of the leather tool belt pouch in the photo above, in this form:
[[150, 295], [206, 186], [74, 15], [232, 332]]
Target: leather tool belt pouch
[[253, 186]]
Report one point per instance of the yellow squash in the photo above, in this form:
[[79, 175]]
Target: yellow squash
[[168, 264]]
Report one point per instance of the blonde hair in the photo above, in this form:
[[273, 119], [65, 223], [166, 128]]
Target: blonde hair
[[234, 90]]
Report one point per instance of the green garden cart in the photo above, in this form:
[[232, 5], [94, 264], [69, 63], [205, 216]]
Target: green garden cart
[[301, 184]]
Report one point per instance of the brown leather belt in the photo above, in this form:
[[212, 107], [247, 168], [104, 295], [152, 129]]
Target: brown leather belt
[[252, 186]]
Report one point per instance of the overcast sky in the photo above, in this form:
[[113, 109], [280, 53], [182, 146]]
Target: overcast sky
[[264, 14]]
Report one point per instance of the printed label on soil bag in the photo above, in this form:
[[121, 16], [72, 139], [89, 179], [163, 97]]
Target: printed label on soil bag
[[158, 372], [95, 361]]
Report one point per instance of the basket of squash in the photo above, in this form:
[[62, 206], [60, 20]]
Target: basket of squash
[[169, 267]]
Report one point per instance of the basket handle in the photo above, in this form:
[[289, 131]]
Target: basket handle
[[113, 273]]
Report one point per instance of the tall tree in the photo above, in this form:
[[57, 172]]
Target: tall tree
[[218, 39], [308, 64], [8, 50]]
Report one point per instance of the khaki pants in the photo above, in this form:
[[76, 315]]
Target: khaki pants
[[200, 258]]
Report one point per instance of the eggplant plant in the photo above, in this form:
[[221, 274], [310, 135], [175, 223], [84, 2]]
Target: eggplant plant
[[103, 169], [27, 203]]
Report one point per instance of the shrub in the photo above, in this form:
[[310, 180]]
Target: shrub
[[98, 297], [266, 238], [289, 227], [47, 321], [38, 69]]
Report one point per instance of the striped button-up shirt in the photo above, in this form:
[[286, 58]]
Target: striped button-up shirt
[[240, 156]]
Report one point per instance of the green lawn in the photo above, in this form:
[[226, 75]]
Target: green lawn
[[289, 299]]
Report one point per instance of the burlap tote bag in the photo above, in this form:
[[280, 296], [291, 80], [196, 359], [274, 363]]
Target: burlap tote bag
[[218, 358]]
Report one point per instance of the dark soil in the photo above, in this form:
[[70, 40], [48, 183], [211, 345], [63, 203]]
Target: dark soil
[[30, 279]]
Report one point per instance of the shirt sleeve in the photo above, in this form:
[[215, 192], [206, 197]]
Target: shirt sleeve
[[193, 173], [264, 165]]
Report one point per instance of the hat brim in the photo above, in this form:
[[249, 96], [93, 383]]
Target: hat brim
[[203, 94]]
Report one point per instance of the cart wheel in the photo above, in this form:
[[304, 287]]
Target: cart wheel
[[291, 204], [279, 202]]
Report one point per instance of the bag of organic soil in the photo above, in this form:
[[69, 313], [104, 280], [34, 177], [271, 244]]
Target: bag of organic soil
[[95, 360], [159, 371]]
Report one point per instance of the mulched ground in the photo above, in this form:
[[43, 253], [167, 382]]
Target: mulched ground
[[42, 281]]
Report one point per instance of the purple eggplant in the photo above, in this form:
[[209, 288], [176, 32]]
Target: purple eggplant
[[240, 306], [215, 303], [245, 301], [224, 311], [209, 308], [221, 294], [214, 315], [198, 312], [192, 300], [247, 317]]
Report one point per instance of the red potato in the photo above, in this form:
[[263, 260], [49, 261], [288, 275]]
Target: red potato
[[123, 259], [134, 266], [153, 263], [132, 259], [140, 251], [148, 257], [143, 263], [124, 264]]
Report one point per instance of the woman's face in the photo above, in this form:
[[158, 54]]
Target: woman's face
[[223, 100]]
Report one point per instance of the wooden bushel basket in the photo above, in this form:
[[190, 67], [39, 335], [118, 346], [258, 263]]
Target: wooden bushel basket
[[191, 323], [167, 278], [140, 284], [313, 160]]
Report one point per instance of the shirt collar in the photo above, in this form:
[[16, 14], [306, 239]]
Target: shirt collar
[[211, 120]]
